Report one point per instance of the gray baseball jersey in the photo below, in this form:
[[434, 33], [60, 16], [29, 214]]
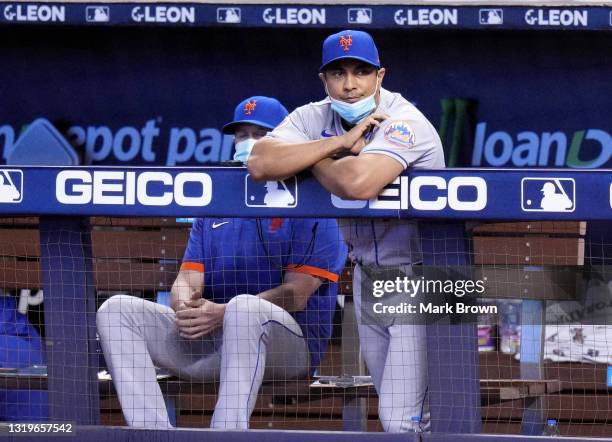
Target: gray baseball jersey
[[407, 137]]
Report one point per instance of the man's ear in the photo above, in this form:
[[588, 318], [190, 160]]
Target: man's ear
[[381, 74], [322, 78]]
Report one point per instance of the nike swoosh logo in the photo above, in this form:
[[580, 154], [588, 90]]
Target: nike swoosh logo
[[215, 225], [326, 135]]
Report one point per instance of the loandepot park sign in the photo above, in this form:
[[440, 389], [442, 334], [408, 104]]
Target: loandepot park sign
[[148, 143], [586, 149]]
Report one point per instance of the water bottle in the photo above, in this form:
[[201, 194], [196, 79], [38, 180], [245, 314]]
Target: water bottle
[[551, 428], [416, 424]]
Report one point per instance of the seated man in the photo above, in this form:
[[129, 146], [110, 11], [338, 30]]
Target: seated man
[[254, 300]]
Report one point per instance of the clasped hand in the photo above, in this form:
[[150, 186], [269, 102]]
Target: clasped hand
[[198, 317]]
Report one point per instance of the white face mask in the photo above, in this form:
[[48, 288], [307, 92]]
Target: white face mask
[[354, 113], [243, 149]]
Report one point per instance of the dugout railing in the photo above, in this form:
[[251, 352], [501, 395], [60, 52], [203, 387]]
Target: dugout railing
[[68, 246]]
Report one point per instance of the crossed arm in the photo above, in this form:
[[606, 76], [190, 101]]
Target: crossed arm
[[273, 159], [359, 177], [351, 177], [196, 316]]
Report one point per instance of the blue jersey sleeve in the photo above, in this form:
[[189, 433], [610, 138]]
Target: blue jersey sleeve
[[193, 259], [317, 249]]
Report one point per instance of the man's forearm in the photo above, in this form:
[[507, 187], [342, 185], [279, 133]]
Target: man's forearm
[[179, 296], [360, 177], [183, 290], [341, 177], [328, 174], [275, 160], [283, 296]]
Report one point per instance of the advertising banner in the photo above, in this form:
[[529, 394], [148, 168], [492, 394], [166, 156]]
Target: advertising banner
[[476, 194]]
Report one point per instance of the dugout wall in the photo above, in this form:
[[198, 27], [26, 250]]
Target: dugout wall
[[158, 95]]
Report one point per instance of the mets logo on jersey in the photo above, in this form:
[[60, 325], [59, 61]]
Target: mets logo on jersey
[[400, 133], [346, 42], [250, 107]]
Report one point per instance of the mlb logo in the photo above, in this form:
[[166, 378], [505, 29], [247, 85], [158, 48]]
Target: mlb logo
[[97, 14], [11, 186], [283, 193], [229, 15], [548, 195], [360, 16], [491, 16]]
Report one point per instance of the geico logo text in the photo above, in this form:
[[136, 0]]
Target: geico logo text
[[128, 188], [448, 195]]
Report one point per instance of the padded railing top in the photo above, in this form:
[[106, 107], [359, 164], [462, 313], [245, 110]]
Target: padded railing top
[[479, 194]]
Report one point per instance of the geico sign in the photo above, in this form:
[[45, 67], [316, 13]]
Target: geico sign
[[402, 193], [448, 195], [127, 188]]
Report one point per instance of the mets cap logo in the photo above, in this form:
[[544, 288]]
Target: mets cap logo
[[346, 42], [250, 107], [400, 133]]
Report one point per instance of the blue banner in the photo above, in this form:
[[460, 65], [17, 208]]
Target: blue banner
[[145, 95], [288, 15], [218, 191]]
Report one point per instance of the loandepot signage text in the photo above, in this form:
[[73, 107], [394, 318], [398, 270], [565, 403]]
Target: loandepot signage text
[[147, 143], [128, 188], [528, 148]]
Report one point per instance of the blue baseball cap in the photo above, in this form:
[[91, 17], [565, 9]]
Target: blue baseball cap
[[350, 44], [263, 111]]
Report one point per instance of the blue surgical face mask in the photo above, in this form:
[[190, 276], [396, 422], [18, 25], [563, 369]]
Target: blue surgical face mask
[[243, 150], [354, 113]]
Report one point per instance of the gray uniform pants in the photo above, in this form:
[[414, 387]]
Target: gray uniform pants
[[258, 340], [396, 358]]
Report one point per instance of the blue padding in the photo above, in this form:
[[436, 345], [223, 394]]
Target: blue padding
[[42, 145], [443, 244], [231, 192], [531, 331], [452, 359]]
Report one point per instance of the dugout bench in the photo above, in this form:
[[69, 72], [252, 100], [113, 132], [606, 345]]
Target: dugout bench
[[143, 255]]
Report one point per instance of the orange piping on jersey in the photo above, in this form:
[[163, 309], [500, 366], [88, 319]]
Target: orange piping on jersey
[[314, 271], [198, 267]]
